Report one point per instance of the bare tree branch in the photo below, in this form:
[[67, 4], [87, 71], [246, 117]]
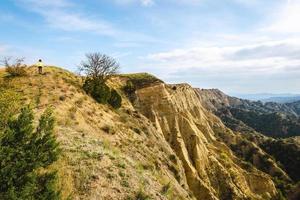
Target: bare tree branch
[[99, 66], [14, 67]]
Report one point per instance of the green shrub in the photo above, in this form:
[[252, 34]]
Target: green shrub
[[141, 195], [97, 89], [129, 88], [115, 99], [102, 93], [9, 105], [24, 153]]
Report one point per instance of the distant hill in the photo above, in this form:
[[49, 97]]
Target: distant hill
[[282, 99], [272, 119], [267, 97], [256, 120]]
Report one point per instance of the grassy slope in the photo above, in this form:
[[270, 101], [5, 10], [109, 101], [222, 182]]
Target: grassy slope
[[106, 154]]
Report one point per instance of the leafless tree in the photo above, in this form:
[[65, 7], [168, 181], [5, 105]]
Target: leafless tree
[[99, 66], [15, 67]]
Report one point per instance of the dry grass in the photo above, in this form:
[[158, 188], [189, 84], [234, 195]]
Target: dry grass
[[105, 153]]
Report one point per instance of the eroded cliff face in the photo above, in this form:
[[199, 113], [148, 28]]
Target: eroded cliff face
[[211, 169]]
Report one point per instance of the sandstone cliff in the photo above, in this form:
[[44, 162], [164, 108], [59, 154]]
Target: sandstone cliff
[[212, 171]]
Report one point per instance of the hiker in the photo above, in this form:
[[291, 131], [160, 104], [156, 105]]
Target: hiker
[[40, 66]]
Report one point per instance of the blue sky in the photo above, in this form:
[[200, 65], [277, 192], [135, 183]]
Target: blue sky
[[238, 46]]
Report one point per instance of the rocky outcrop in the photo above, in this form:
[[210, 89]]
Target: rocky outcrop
[[212, 170]]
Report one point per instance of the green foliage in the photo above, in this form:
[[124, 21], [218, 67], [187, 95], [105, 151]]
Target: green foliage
[[24, 153], [287, 153], [272, 124], [140, 80], [97, 89], [115, 99], [141, 195], [102, 93], [9, 105], [283, 187], [129, 88]]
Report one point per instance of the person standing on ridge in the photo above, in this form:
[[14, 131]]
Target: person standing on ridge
[[40, 66]]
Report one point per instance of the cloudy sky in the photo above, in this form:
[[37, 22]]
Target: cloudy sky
[[238, 46]]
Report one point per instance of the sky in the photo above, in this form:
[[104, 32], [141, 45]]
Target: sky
[[237, 46]]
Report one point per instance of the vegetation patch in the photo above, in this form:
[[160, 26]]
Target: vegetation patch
[[140, 80], [142, 195], [16, 67], [25, 155]]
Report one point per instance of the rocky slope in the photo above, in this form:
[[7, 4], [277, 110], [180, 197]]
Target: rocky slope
[[295, 106], [286, 152], [162, 143], [212, 170], [271, 119]]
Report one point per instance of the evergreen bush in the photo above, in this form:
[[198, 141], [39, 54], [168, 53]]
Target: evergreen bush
[[25, 153], [9, 105]]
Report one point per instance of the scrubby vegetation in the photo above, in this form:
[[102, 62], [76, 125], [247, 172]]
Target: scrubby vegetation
[[129, 90], [115, 99], [9, 105], [287, 153], [25, 154], [102, 93], [99, 91], [139, 80], [98, 68], [271, 124], [15, 67]]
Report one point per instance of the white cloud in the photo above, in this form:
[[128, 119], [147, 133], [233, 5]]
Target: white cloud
[[269, 57], [141, 2], [77, 22], [58, 15], [147, 2], [287, 19]]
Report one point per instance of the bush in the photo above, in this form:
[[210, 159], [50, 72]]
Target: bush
[[98, 90], [16, 68], [115, 99], [9, 105], [102, 93], [141, 195], [24, 153], [129, 88]]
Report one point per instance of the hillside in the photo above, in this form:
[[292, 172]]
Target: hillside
[[253, 120], [295, 106], [282, 99], [271, 119], [161, 144]]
